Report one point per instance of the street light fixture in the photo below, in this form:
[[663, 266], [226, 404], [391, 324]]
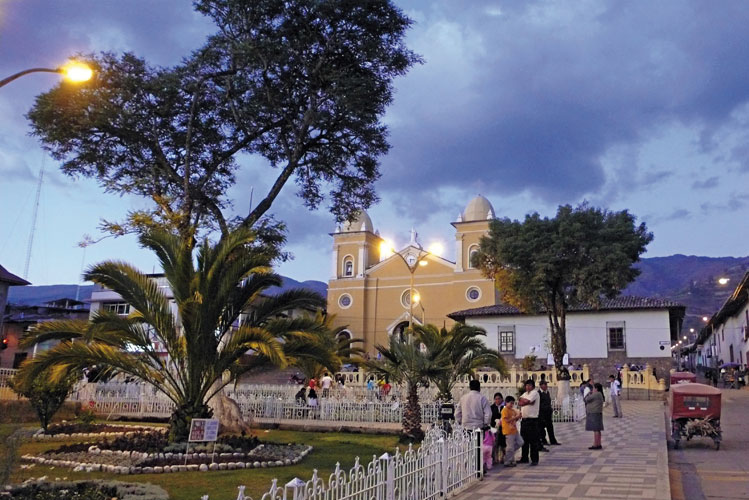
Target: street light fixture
[[74, 71], [419, 261], [723, 281]]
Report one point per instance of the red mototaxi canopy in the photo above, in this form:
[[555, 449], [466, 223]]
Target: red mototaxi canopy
[[680, 392], [695, 389]]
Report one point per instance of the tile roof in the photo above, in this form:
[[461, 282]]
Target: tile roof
[[10, 278], [625, 302]]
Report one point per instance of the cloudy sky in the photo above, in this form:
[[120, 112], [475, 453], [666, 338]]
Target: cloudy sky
[[639, 105]]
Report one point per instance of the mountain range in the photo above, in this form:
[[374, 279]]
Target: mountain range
[[689, 279]]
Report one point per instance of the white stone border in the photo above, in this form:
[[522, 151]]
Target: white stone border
[[119, 469], [41, 436]]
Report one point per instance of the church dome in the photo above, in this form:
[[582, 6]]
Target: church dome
[[478, 208], [361, 223]]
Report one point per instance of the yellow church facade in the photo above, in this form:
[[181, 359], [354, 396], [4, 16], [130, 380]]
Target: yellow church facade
[[370, 288]]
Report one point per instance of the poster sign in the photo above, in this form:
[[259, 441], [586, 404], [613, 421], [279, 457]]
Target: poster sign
[[203, 429]]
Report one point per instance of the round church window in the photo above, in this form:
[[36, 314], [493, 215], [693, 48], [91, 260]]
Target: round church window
[[345, 301], [473, 294]]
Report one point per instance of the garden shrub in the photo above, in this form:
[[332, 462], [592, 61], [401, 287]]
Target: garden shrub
[[46, 393]]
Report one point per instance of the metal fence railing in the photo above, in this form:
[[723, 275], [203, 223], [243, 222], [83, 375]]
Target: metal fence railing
[[443, 466]]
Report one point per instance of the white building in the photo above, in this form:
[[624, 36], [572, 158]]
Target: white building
[[622, 330], [725, 338]]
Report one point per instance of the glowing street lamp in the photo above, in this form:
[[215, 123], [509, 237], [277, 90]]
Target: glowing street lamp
[[387, 249], [74, 71], [723, 281]]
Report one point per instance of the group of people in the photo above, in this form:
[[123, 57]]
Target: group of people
[[379, 389], [325, 383], [533, 412], [500, 420]]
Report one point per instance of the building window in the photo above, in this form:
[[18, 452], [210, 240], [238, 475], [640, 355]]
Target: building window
[[345, 301], [473, 252], [473, 294], [348, 266], [121, 308], [615, 330], [506, 339], [406, 297]]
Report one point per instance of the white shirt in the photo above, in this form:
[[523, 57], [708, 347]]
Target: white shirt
[[530, 410], [326, 382], [615, 388]]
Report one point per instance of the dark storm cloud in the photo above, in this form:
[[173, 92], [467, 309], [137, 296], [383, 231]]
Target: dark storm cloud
[[162, 31], [733, 203], [706, 184], [532, 95]]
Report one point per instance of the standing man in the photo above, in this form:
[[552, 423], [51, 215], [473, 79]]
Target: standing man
[[326, 383], [615, 389], [545, 414], [529, 406], [473, 411]]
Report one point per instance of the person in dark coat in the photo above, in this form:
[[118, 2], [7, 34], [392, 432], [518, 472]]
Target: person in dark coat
[[499, 442], [545, 413]]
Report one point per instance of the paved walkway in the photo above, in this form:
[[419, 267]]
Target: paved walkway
[[632, 465]]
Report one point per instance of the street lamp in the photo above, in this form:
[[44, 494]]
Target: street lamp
[[74, 71], [723, 281], [418, 261]]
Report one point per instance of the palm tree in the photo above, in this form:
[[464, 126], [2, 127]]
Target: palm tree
[[337, 344], [405, 362], [210, 334], [464, 351]]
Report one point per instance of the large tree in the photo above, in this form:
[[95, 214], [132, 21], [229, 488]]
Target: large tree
[[300, 85], [548, 265], [224, 324]]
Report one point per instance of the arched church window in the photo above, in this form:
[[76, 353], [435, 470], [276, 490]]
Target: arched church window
[[348, 266], [473, 252]]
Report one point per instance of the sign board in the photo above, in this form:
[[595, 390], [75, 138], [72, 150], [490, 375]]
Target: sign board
[[203, 429], [665, 343]]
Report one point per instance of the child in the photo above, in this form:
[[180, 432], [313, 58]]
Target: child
[[510, 416], [486, 449]]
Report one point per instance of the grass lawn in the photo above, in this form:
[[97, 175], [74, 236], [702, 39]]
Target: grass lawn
[[329, 448]]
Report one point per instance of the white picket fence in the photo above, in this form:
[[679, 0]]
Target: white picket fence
[[138, 400], [441, 467]]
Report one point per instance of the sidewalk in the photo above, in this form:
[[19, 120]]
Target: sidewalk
[[632, 465]]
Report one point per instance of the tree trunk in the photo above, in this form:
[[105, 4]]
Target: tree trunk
[[412, 416], [179, 422]]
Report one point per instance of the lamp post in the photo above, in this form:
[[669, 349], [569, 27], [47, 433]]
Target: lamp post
[[74, 71], [419, 261]]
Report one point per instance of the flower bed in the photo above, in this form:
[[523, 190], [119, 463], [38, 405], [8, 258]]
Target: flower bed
[[84, 490], [150, 453]]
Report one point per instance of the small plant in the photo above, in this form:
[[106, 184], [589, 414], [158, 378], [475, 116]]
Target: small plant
[[529, 362], [46, 392], [86, 417]]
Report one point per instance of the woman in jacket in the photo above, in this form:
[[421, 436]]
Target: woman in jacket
[[594, 414]]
